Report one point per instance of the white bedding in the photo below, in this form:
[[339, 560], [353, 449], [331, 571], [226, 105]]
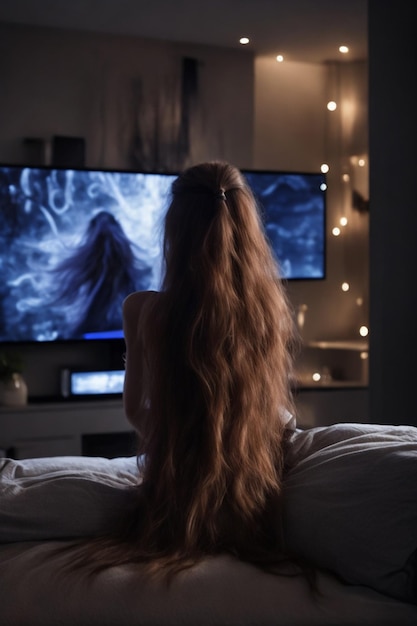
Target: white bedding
[[350, 506]]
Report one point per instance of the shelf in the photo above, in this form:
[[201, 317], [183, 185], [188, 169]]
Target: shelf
[[333, 364], [331, 384], [358, 346]]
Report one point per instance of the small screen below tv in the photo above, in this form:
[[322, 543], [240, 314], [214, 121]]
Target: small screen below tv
[[98, 383], [74, 243]]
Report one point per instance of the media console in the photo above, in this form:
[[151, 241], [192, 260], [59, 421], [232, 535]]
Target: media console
[[64, 428], [58, 428]]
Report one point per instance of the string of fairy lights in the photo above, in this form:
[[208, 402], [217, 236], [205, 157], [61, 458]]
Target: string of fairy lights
[[340, 225]]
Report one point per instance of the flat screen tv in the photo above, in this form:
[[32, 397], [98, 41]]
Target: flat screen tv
[[74, 243]]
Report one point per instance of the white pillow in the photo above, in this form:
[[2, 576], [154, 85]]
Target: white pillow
[[62, 497], [350, 504]]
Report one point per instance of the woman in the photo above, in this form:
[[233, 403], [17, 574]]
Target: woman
[[208, 363]]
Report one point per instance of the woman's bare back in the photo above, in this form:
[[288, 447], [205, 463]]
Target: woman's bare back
[[137, 324]]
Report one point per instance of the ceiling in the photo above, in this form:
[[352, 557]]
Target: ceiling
[[301, 30]]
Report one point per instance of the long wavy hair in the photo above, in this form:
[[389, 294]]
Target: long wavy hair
[[218, 343]]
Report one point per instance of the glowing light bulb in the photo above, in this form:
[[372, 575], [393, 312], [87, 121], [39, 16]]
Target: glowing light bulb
[[343, 221], [316, 377], [361, 162], [244, 40], [343, 49], [345, 286], [346, 178], [336, 231], [280, 58], [324, 168], [363, 331], [364, 355], [332, 106]]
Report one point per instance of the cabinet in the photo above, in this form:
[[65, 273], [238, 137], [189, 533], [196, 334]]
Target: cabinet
[[326, 405], [58, 428]]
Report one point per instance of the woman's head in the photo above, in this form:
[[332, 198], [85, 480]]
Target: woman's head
[[213, 220]]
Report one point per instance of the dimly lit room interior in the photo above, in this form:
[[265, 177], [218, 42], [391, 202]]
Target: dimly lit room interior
[[290, 88], [79, 92]]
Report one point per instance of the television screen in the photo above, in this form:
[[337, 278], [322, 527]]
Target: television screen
[[74, 243], [293, 207]]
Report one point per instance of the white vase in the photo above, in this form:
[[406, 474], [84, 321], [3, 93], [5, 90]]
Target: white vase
[[13, 392]]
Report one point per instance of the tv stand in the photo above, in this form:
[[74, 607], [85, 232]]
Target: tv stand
[[100, 428], [57, 428]]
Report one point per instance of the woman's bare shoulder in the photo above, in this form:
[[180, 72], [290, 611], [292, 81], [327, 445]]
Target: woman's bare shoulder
[[136, 309], [134, 303]]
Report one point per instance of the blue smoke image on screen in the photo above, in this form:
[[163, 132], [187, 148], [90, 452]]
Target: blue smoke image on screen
[[293, 207], [74, 244]]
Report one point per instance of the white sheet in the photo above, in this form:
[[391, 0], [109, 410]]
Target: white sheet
[[338, 475], [219, 592]]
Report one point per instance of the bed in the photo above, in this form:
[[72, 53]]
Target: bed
[[350, 507]]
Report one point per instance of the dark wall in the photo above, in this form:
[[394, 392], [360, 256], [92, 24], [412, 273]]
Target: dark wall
[[393, 212]]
